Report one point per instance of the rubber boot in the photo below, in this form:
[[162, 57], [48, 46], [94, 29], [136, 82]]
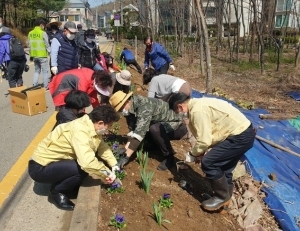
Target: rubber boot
[[221, 195], [166, 163]]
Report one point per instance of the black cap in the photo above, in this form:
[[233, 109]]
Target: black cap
[[79, 26]]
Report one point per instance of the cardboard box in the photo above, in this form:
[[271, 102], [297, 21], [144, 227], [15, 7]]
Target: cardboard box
[[28, 101]]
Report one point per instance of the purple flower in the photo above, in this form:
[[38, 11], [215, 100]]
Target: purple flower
[[115, 185], [166, 196], [115, 146], [120, 219]]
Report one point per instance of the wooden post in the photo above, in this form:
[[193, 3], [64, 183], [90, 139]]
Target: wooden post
[[135, 48]]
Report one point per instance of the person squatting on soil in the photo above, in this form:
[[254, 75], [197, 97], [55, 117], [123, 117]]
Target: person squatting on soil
[[83, 79], [88, 51], [158, 56], [129, 59], [162, 86], [121, 81], [147, 114], [75, 103], [39, 49], [223, 134], [109, 63], [69, 153]]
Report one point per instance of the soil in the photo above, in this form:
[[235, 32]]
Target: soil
[[266, 91]]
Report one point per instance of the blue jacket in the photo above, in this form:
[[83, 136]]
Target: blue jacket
[[158, 56], [127, 55], [63, 53], [4, 48]]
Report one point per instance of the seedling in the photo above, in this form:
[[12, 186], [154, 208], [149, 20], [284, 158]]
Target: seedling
[[165, 201], [146, 178], [118, 221], [158, 215], [115, 188], [142, 158], [120, 174]]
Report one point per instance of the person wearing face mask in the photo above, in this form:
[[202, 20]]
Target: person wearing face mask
[[3, 29], [70, 152], [64, 55], [39, 49], [109, 63], [223, 134], [148, 114], [75, 103], [158, 56], [88, 52]]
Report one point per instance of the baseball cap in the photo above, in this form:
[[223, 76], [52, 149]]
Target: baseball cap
[[71, 26]]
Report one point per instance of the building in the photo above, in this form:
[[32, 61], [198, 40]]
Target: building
[[78, 11]]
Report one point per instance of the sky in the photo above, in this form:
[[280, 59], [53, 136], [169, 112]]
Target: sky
[[94, 3]]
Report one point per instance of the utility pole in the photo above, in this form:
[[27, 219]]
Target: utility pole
[[121, 12], [97, 18]]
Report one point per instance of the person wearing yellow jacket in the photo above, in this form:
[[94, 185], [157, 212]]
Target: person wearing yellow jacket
[[69, 153], [223, 134]]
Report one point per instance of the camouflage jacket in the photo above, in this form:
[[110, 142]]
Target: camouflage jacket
[[147, 111]]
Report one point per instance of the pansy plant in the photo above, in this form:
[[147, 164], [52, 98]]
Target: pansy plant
[[118, 221], [115, 188], [165, 201], [120, 174]]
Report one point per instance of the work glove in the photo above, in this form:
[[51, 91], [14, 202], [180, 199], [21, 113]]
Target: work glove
[[130, 133], [123, 160], [115, 168], [111, 178], [172, 67], [54, 70]]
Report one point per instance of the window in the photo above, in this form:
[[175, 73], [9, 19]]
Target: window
[[77, 18], [281, 20], [210, 12], [284, 5], [71, 18]]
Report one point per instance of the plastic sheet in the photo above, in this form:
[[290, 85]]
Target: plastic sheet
[[294, 94]]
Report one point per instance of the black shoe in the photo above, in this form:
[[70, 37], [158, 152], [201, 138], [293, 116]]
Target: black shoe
[[221, 195], [166, 163], [61, 201]]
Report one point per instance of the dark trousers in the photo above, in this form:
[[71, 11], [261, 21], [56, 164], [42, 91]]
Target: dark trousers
[[134, 63], [64, 175], [14, 73], [223, 157], [162, 139], [163, 70]]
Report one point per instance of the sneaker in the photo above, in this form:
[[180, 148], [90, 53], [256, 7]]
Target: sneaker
[[166, 163]]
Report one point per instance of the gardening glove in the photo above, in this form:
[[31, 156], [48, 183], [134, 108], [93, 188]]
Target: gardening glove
[[123, 160], [130, 134], [115, 168], [111, 178], [172, 67], [54, 70], [189, 158]]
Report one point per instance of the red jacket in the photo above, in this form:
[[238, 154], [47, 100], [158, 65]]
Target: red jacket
[[79, 79]]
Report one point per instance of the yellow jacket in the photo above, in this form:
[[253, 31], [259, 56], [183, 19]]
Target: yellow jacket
[[212, 120], [76, 140]]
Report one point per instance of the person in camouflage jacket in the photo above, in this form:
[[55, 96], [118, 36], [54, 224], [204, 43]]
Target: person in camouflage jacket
[[148, 115]]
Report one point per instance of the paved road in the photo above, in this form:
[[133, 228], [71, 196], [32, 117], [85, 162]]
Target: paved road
[[23, 203]]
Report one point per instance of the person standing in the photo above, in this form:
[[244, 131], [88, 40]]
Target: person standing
[[144, 114], [129, 59], [15, 64], [63, 53], [71, 151], [158, 56], [39, 50], [88, 52], [3, 28], [80, 35], [223, 134], [53, 28]]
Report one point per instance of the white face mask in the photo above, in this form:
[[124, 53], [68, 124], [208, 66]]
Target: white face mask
[[101, 131], [54, 31], [71, 36], [1, 24], [125, 112], [184, 115]]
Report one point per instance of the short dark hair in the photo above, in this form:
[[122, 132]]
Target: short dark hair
[[77, 99], [79, 26], [148, 75], [39, 21], [176, 99], [89, 32], [125, 48], [105, 113], [148, 37], [102, 78]]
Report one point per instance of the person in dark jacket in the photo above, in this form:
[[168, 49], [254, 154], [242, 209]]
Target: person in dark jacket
[[63, 53], [75, 103], [129, 59], [158, 56], [80, 35], [88, 51]]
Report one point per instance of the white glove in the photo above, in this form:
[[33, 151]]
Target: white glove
[[130, 133], [115, 168], [54, 70], [111, 178], [172, 67], [189, 158]]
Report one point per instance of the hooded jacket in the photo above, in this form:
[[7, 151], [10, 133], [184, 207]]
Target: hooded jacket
[[4, 47]]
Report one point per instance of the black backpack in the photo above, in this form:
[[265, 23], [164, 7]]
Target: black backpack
[[16, 49]]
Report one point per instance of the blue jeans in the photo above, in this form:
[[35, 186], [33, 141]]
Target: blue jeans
[[98, 67], [40, 64]]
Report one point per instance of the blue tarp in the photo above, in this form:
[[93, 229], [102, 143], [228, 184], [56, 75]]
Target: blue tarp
[[282, 194], [294, 94]]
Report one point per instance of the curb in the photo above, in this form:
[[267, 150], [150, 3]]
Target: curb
[[86, 211]]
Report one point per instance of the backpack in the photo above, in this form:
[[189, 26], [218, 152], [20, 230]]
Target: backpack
[[16, 49]]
